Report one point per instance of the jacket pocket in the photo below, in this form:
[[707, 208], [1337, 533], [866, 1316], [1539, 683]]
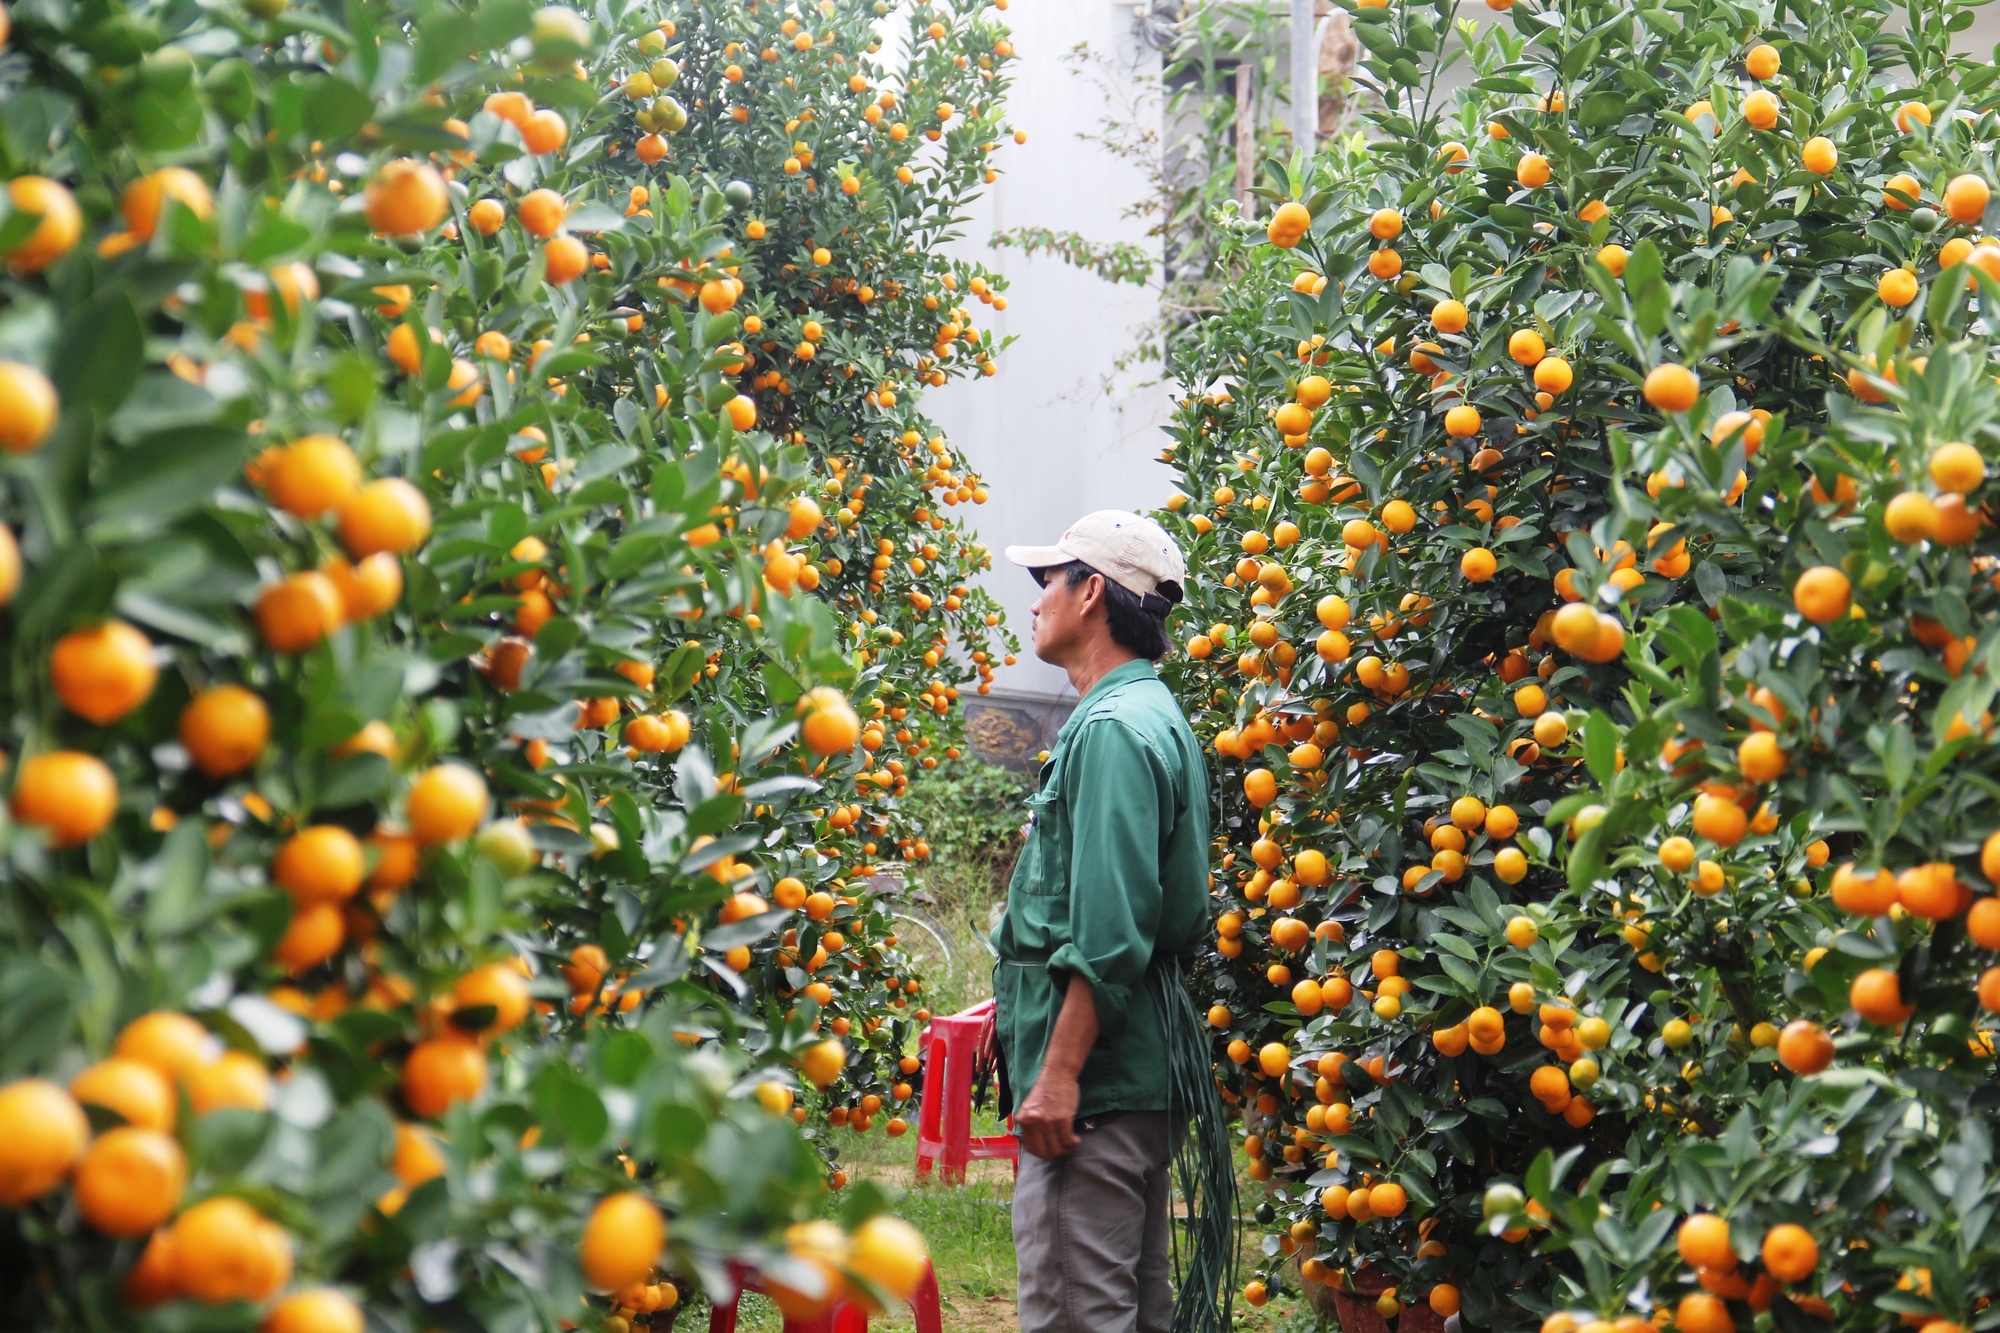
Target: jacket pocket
[[1040, 869], [1024, 1004]]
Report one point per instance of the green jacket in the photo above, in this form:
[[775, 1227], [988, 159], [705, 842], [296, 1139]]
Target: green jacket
[[1114, 873]]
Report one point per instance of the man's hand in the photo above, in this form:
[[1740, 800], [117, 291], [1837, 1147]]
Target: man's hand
[[1046, 1122]]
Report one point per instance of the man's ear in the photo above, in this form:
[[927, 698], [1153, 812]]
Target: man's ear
[[1095, 599]]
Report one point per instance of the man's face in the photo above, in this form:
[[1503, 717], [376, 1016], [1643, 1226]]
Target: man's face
[[1061, 616]]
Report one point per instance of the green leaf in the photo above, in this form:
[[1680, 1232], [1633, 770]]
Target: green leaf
[[716, 814], [602, 462], [39, 1004], [780, 684], [569, 1110], [1586, 858], [352, 780], [1952, 611], [1601, 109], [101, 346], [1899, 756], [1541, 1177], [353, 1145], [625, 1057], [1600, 746], [333, 108], [1643, 269], [179, 876], [747, 931], [506, 524], [226, 1140], [358, 1029], [168, 475], [719, 329], [562, 363], [1739, 1143], [350, 384], [555, 639], [274, 234], [1379, 38], [607, 491], [18, 227], [678, 1130], [1577, 59], [679, 672], [576, 94], [594, 216], [1465, 974], [445, 37], [420, 129], [501, 21], [162, 122], [859, 1204]]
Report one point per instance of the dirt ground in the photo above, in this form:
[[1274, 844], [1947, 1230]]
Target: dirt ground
[[993, 1314]]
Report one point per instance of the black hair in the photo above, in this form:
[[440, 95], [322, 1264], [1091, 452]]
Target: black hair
[[1135, 624]]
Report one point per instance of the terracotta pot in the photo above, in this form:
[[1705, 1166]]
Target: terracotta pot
[[1356, 1302], [1358, 1313], [1356, 1308], [1420, 1318]]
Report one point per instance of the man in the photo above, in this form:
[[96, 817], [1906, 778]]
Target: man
[[1103, 1059]]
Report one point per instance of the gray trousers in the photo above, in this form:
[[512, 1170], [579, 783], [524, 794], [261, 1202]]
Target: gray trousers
[[1091, 1232]]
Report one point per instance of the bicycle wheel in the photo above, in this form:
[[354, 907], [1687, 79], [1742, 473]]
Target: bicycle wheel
[[927, 945]]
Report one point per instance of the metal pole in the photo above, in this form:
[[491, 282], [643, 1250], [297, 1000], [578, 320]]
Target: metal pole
[[1246, 137], [1305, 77]]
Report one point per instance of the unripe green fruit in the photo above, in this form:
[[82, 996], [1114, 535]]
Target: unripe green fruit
[[1503, 1200], [505, 842], [169, 70], [231, 90], [560, 33]]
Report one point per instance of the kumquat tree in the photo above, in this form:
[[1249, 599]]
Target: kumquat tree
[[475, 597], [1592, 617]]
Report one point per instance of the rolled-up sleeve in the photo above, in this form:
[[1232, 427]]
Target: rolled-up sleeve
[[1120, 796]]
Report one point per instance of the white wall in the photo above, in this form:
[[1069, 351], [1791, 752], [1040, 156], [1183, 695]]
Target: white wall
[[1049, 441]]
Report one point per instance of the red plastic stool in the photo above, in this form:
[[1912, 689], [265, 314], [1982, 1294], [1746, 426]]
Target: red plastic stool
[[844, 1317], [950, 1048]]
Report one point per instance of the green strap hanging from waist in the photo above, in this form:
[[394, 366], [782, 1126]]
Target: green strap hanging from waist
[[1203, 1174]]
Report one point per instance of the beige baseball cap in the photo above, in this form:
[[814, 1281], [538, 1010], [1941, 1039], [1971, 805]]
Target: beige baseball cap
[[1133, 552]]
